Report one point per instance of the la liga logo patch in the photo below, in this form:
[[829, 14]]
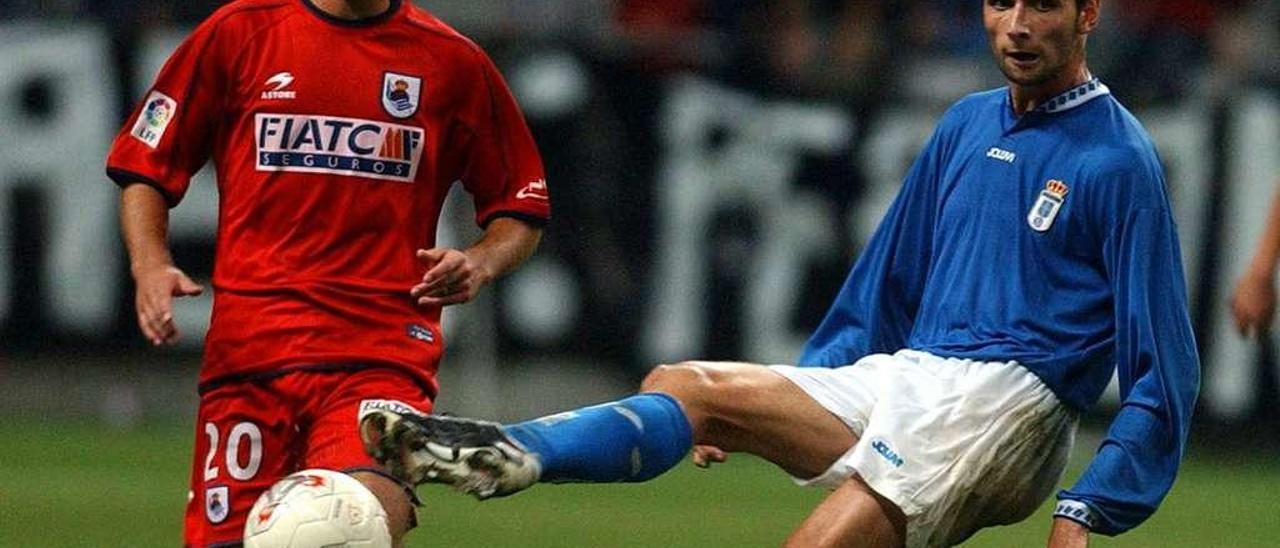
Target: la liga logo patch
[[1047, 205], [154, 119], [400, 94]]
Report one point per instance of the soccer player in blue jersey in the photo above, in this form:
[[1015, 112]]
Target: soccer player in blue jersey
[[1030, 254]]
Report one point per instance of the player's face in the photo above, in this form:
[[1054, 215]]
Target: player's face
[[1036, 42]]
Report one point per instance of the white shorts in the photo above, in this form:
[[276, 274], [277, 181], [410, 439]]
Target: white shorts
[[957, 444]]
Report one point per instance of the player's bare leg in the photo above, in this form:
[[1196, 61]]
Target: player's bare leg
[[400, 512], [732, 406], [853, 515], [741, 407], [736, 407]]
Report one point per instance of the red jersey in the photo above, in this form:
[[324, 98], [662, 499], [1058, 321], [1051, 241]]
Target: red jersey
[[335, 143]]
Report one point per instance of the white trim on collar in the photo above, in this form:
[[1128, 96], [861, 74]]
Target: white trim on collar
[[1075, 97]]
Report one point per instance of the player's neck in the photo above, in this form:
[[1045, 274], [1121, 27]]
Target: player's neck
[[353, 9], [1025, 99]]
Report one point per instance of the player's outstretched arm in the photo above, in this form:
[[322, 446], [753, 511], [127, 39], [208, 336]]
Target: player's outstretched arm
[[1157, 364], [144, 222], [1254, 301], [455, 276]]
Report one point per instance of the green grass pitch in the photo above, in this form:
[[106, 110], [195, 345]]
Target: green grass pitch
[[65, 485]]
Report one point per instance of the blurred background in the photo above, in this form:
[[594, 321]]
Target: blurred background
[[715, 167]]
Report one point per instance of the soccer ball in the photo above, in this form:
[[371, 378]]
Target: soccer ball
[[317, 508]]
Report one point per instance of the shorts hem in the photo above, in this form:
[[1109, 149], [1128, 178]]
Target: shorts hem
[[795, 376], [886, 488]]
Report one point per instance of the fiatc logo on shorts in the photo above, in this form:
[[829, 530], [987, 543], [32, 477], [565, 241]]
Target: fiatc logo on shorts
[[343, 146]]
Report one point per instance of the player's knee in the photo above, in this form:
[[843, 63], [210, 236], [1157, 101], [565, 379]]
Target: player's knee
[[682, 381], [698, 386]]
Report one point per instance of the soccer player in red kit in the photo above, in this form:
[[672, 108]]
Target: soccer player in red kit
[[336, 128]]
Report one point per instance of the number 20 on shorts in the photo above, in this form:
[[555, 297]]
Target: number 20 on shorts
[[241, 433]]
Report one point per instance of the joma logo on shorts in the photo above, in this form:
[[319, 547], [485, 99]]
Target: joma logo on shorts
[[882, 447]]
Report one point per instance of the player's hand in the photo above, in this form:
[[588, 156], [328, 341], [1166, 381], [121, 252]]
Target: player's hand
[[1254, 303], [452, 277], [1068, 534], [156, 288], [706, 455]]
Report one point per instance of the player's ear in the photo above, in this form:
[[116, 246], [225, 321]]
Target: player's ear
[[1087, 18]]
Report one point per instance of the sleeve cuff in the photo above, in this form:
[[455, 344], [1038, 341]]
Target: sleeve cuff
[[535, 221], [1076, 511], [124, 178]]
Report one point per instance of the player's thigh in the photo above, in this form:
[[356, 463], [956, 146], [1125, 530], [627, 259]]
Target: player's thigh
[[333, 439], [242, 445], [751, 408], [852, 515]]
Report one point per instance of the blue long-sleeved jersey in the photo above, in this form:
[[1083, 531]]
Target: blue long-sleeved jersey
[[1046, 239]]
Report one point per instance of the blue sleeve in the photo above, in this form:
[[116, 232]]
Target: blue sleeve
[[877, 305], [1158, 368]]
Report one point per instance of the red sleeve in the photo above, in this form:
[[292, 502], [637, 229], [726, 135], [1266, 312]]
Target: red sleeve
[[168, 136], [502, 170]]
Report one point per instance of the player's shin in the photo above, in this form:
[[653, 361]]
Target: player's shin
[[631, 440]]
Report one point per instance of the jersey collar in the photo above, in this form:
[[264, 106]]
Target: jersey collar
[[365, 22], [1074, 97]]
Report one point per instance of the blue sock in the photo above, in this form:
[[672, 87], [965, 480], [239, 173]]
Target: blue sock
[[634, 439]]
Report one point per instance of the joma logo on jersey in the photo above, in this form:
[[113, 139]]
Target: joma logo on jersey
[[1001, 154], [343, 146]]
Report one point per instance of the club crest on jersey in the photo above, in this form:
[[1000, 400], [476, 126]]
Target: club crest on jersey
[[400, 94], [341, 146], [1047, 205], [217, 503]]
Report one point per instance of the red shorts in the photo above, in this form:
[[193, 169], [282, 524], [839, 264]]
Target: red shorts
[[251, 433]]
